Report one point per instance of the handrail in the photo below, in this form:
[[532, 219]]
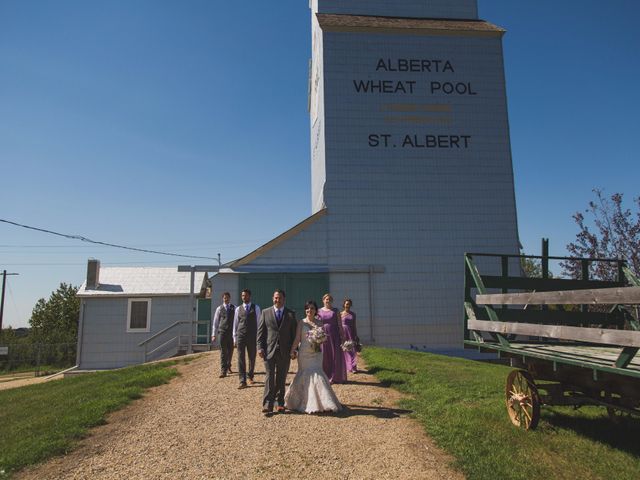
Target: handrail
[[172, 339], [163, 331]]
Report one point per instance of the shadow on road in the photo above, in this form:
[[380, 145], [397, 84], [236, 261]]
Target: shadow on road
[[378, 412]]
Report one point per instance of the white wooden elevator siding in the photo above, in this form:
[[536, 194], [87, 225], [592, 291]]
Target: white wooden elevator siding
[[416, 211]]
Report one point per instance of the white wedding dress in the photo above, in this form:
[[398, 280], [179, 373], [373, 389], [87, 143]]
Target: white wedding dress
[[310, 390]]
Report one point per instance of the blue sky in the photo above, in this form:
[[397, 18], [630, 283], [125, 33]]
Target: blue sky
[[183, 126]]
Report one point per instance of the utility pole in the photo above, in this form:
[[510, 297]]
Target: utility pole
[[4, 284]]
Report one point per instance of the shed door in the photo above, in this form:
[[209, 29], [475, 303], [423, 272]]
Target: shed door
[[299, 288]]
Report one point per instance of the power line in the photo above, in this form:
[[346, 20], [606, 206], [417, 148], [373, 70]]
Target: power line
[[231, 243], [13, 301], [77, 264], [88, 240]]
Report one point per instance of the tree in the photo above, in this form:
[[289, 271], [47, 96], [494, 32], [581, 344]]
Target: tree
[[56, 320], [530, 268], [7, 335], [610, 232]]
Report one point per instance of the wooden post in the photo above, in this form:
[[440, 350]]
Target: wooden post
[[584, 263], [194, 320], [505, 275], [545, 262], [545, 258]]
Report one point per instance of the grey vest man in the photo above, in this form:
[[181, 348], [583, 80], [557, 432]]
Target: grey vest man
[[276, 333], [223, 331], [245, 329]]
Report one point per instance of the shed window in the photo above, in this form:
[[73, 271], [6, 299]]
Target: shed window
[[138, 315]]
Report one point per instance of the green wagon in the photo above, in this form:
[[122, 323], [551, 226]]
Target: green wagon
[[571, 342]]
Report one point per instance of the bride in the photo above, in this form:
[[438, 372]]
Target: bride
[[310, 390]]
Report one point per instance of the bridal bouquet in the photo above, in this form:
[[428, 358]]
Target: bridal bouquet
[[316, 337], [348, 346]]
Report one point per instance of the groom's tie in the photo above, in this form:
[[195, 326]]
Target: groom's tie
[[278, 317]]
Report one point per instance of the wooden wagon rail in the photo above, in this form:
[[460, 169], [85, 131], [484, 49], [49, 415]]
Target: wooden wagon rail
[[581, 356], [600, 296], [622, 338]]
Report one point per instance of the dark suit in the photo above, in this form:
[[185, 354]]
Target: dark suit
[[275, 343]]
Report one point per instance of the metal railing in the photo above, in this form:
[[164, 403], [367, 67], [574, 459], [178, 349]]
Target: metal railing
[[172, 339], [37, 358], [177, 339]]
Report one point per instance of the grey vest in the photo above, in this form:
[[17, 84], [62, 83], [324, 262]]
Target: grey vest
[[247, 324], [225, 324]]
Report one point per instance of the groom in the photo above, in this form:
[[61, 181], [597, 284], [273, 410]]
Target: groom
[[276, 333]]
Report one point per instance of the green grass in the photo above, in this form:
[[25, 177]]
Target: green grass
[[40, 421], [461, 405]]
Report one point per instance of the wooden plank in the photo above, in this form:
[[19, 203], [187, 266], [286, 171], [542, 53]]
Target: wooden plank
[[623, 338], [582, 355], [544, 284], [599, 296], [558, 316], [516, 349], [599, 355]]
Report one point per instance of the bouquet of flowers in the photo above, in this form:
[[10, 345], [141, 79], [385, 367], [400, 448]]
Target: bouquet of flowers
[[348, 346], [316, 337]]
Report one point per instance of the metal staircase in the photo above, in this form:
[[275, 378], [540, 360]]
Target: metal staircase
[[176, 339]]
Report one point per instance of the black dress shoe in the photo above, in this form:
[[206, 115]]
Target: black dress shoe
[[267, 409], [222, 375], [242, 385]]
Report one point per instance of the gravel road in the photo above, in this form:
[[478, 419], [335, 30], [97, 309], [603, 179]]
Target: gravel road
[[200, 426]]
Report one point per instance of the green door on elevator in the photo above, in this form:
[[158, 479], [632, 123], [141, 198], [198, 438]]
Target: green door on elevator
[[299, 287]]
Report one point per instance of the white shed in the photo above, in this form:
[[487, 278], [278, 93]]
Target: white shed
[[129, 315]]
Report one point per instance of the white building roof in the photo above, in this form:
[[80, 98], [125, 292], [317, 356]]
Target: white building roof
[[147, 281]]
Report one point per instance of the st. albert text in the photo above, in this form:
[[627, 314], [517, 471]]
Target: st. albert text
[[414, 140]]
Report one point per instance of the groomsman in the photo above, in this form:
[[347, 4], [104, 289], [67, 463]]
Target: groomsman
[[222, 330], [245, 328]]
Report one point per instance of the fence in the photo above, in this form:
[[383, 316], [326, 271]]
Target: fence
[[40, 358]]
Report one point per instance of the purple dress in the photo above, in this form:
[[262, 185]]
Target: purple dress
[[332, 354], [350, 333]]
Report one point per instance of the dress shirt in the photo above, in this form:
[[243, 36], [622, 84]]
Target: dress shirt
[[246, 306], [216, 318]]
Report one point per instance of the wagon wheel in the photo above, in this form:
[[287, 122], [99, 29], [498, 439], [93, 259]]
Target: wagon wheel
[[522, 399]]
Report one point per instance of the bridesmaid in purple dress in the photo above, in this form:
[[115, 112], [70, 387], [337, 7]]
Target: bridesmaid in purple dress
[[332, 354], [351, 333]]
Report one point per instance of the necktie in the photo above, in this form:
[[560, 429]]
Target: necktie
[[278, 317]]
